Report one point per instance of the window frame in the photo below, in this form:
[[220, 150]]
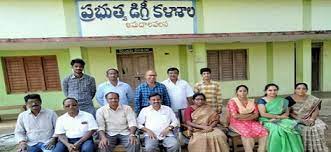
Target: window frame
[[219, 65], [45, 84]]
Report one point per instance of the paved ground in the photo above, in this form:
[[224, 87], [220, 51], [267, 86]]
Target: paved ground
[[7, 127]]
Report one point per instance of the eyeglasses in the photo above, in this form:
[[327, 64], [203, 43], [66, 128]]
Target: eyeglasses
[[73, 105]]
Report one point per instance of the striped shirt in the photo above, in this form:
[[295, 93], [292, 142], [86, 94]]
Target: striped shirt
[[212, 91]]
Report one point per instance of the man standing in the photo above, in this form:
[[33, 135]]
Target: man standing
[[145, 89], [180, 91], [74, 129], [117, 125], [80, 86], [35, 127], [158, 122], [114, 85], [211, 89]]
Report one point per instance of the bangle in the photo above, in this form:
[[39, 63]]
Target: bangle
[[133, 135]]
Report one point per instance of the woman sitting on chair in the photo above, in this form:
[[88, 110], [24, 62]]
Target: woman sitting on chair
[[203, 120], [305, 109], [284, 135], [243, 114]]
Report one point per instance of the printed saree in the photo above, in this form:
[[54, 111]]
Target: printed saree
[[313, 136]]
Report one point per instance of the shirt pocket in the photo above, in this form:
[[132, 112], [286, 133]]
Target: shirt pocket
[[84, 126]]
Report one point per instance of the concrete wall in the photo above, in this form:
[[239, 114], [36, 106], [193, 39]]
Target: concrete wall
[[257, 68], [59, 18], [320, 10], [283, 66], [225, 16], [326, 66], [31, 19]]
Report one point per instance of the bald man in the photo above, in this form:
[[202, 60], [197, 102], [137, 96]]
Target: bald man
[[147, 88]]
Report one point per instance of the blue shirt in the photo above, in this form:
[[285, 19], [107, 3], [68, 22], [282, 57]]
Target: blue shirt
[[143, 91], [123, 89]]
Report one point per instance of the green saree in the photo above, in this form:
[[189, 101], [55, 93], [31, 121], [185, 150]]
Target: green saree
[[283, 134]]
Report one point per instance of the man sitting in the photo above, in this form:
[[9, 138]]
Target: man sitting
[[75, 129], [117, 125], [35, 127], [158, 122]]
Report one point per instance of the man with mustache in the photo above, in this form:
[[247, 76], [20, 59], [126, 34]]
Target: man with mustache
[[158, 122], [35, 127], [117, 125], [80, 86], [75, 129]]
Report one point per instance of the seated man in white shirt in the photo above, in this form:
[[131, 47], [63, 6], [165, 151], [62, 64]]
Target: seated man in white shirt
[[35, 127], [158, 122], [74, 129], [117, 125]]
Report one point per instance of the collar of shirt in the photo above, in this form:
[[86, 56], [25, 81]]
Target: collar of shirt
[[118, 108], [146, 85], [210, 82], [118, 83], [42, 110], [67, 115], [152, 109], [74, 77], [169, 81]]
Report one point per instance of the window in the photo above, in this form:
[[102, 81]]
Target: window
[[33, 73], [228, 65]]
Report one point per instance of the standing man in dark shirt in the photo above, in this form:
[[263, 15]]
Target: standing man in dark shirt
[[145, 89], [80, 86]]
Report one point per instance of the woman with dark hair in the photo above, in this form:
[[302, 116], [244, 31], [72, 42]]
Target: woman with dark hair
[[305, 108], [283, 132], [243, 114], [202, 120]]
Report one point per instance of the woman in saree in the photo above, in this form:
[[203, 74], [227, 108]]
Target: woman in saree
[[202, 120], [243, 114], [305, 109], [283, 132]]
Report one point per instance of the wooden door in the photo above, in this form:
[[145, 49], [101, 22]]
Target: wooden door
[[315, 69], [132, 67]]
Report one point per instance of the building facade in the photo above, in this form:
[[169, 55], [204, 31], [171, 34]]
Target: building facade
[[248, 42]]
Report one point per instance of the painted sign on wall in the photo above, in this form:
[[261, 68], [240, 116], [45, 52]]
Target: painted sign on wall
[[144, 17]]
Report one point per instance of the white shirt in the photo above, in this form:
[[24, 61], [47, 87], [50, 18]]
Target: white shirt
[[157, 121], [178, 93], [75, 127], [35, 129]]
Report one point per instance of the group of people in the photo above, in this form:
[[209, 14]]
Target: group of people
[[278, 124]]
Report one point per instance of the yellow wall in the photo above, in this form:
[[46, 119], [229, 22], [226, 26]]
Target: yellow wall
[[32, 18], [51, 99], [283, 66], [320, 14], [225, 16], [257, 68]]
